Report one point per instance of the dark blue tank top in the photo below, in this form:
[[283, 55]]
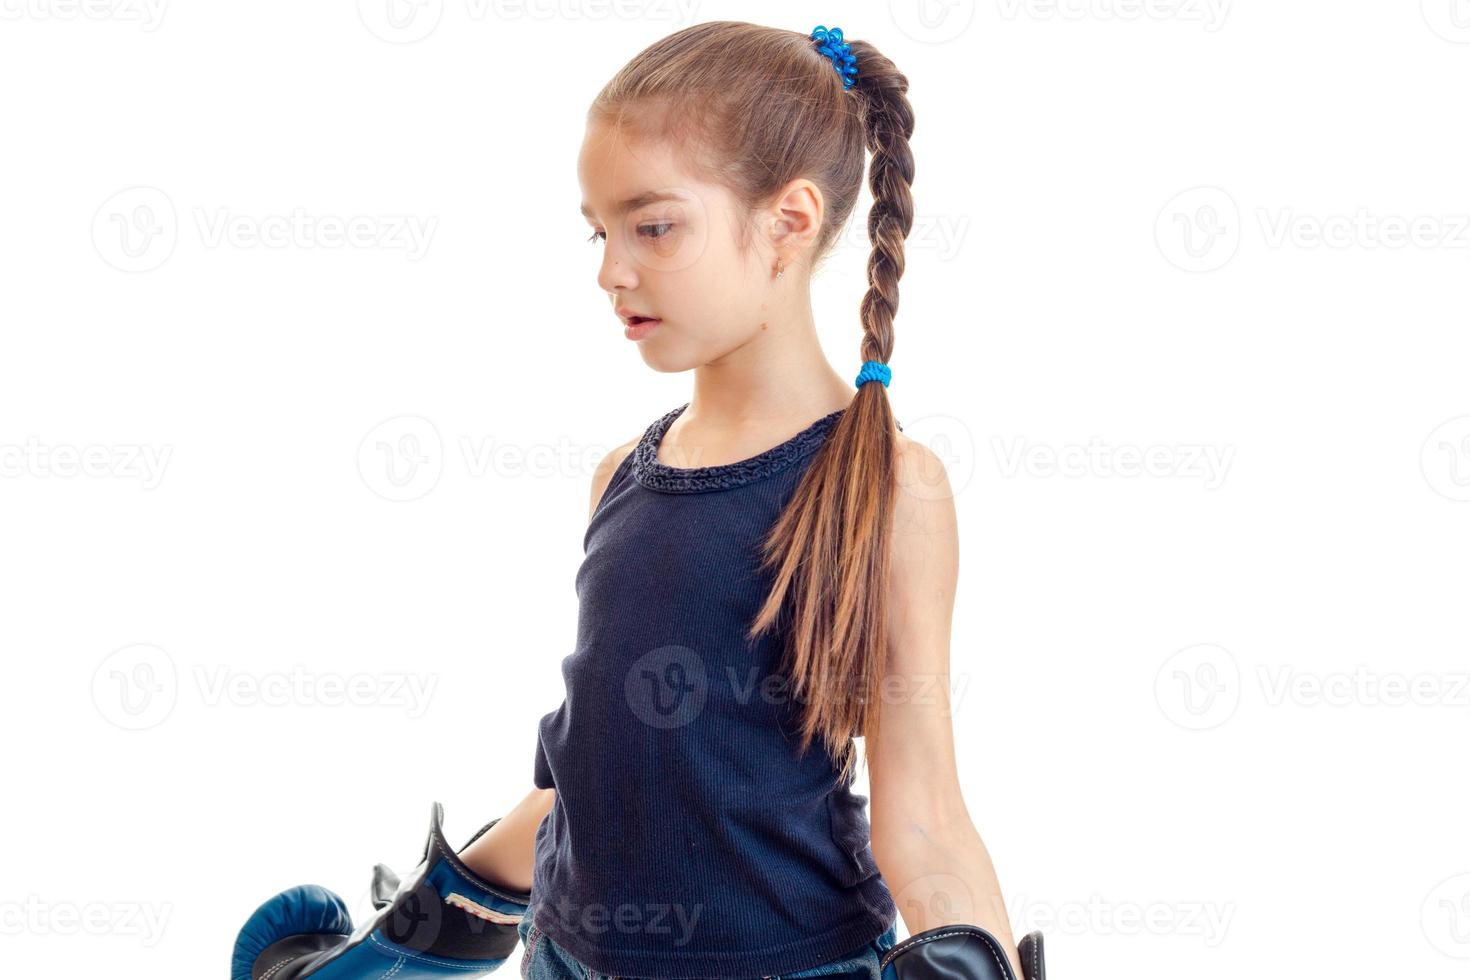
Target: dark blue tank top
[[688, 838]]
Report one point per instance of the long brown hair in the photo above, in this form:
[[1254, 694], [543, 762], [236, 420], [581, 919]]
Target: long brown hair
[[757, 107]]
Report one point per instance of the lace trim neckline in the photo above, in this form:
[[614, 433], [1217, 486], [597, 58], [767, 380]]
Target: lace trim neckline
[[678, 479]]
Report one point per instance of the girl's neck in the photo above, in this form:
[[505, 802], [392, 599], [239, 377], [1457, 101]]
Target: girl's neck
[[778, 378]]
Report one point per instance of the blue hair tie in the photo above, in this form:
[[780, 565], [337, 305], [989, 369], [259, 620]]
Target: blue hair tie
[[830, 43], [874, 371]]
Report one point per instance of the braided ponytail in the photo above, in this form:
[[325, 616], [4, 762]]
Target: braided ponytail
[[830, 547]]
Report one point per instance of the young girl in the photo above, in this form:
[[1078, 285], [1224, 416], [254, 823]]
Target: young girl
[[769, 573]]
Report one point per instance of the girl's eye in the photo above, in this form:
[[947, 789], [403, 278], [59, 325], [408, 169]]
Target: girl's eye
[[654, 232]]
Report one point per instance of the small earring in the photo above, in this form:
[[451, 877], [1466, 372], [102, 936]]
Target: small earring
[[780, 271]]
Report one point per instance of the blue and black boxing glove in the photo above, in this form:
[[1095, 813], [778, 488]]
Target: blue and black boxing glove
[[441, 921], [962, 952]]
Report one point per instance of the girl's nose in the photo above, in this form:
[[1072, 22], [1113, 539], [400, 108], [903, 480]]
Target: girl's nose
[[617, 270]]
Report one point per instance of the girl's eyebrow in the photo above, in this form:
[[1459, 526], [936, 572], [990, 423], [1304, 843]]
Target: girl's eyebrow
[[637, 201]]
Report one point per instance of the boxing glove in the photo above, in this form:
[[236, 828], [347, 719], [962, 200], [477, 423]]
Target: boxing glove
[[441, 921], [961, 952]]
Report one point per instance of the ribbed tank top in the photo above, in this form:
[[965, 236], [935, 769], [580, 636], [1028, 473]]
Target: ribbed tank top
[[687, 837]]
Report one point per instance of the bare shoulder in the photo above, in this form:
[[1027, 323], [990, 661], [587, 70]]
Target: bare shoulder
[[606, 466], [924, 567], [924, 504]]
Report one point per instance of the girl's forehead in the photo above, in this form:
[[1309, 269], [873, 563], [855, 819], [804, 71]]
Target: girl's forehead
[[616, 184], [612, 161]]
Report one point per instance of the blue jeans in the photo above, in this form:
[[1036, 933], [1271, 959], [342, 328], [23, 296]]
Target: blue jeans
[[545, 960]]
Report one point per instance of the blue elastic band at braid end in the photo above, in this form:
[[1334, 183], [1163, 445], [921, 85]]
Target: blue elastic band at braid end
[[873, 371]]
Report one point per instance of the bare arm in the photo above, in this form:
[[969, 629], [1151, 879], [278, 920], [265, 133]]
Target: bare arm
[[924, 842], [506, 853]]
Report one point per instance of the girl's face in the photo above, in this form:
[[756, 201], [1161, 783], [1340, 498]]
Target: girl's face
[[670, 252]]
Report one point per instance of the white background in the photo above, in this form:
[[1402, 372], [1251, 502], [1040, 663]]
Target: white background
[[1187, 229]]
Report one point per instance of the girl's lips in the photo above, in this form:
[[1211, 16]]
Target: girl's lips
[[640, 329]]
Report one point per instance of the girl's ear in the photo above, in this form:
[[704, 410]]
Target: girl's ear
[[796, 216]]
